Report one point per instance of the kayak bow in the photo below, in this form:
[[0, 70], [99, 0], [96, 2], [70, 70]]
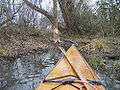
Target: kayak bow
[[71, 73]]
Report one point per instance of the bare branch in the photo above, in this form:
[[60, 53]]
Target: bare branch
[[40, 10], [10, 18]]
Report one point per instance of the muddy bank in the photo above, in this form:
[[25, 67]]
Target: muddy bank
[[19, 41], [16, 41]]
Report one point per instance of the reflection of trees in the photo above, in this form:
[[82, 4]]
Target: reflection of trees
[[26, 72]]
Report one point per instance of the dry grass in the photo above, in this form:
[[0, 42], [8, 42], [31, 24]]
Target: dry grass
[[14, 40]]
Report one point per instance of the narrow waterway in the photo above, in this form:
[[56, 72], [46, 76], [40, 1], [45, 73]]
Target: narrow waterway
[[25, 72]]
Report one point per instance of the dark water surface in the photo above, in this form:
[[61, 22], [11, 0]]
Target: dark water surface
[[25, 72]]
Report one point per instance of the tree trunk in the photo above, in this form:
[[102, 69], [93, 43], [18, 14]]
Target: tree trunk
[[67, 7], [56, 32]]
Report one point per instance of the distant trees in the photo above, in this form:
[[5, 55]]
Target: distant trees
[[70, 13], [8, 10], [16, 12], [109, 16], [78, 17]]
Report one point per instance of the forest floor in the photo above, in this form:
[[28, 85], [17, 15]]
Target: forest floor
[[103, 53], [17, 41], [14, 41]]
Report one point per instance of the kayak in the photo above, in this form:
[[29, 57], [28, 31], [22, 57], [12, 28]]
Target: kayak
[[71, 73]]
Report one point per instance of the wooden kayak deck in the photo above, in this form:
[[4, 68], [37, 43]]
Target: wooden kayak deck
[[73, 64]]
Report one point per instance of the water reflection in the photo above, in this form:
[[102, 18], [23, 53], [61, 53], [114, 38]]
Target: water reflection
[[25, 72]]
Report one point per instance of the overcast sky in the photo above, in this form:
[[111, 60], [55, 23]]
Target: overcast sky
[[47, 3]]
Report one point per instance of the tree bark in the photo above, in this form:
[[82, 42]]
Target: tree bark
[[67, 7], [56, 32]]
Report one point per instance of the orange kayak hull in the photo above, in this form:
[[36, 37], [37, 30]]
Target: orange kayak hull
[[72, 64]]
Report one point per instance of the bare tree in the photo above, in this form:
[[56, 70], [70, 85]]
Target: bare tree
[[53, 18], [6, 5], [40, 10], [66, 7]]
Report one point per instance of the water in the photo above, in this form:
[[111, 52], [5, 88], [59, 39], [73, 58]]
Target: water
[[25, 73]]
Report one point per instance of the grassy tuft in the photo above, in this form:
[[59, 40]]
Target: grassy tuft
[[97, 63]]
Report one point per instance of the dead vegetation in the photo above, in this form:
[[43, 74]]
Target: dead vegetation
[[15, 41]]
